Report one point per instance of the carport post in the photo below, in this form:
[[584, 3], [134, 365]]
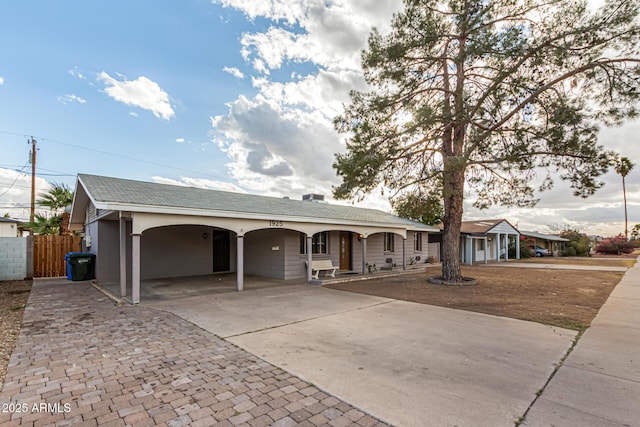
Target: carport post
[[123, 256], [486, 249], [498, 247], [404, 251], [135, 268], [517, 246], [240, 265], [506, 247], [309, 256], [364, 255]]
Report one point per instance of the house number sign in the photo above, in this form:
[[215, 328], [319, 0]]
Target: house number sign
[[275, 223]]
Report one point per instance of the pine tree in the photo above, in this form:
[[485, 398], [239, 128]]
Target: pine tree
[[492, 96]]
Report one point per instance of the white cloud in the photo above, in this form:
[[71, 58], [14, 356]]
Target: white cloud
[[282, 142], [234, 72], [66, 99], [75, 72], [264, 141], [179, 140], [141, 92], [1, 80], [15, 193]]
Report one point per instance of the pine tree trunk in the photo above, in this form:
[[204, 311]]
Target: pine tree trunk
[[453, 197]]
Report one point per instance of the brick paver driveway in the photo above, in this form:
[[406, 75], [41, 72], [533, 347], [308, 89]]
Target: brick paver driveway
[[81, 360]]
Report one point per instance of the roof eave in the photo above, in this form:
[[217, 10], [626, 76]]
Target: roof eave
[[116, 206]]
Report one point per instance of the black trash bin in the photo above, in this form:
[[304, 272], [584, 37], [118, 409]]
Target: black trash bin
[[80, 266]]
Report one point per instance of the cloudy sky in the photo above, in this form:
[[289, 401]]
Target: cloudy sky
[[236, 95]]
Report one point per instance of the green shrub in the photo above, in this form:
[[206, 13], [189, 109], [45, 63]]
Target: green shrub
[[578, 244]]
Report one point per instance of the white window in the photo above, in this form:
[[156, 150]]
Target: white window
[[319, 243], [389, 240], [417, 241]]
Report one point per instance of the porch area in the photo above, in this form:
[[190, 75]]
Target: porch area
[[167, 289]]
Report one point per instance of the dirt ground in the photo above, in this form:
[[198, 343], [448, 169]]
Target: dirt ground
[[565, 298], [13, 299]]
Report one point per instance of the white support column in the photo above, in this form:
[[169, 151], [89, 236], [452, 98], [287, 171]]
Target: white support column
[[135, 268], [498, 247], [123, 256], [468, 251], [506, 247], [517, 246], [365, 270], [309, 256], [240, 263], [486, 249], [404, 253]]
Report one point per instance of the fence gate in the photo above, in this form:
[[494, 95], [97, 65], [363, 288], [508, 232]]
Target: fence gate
[[49, 252]]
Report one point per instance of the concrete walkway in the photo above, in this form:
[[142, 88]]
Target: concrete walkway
[[81, 360], [555, 266], [599, 383], [409, 364]]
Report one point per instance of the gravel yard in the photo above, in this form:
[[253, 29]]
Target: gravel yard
[[13, 299]]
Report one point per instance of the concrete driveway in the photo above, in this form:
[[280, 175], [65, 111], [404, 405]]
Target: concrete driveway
[[406, 363]]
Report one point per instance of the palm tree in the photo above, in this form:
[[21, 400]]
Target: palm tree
[[56, 199], [43, 225], [623, 166]]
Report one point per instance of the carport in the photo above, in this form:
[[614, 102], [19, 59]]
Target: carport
[[138, 229]]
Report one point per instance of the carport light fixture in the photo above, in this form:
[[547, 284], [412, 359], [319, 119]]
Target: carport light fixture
[[360, 236], [205, 235]]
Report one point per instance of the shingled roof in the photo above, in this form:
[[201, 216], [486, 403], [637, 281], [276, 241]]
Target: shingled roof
[[124, 194]]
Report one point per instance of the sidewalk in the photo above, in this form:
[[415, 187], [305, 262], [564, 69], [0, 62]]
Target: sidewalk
[[555, 266], [81, 360], [599, 383]]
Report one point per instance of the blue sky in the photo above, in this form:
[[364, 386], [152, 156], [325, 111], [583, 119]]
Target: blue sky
[[228, 94], [53, 57]]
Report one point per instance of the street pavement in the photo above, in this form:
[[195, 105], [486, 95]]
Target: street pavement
[[599, 383]]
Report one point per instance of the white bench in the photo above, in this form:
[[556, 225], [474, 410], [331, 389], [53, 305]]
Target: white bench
[[322, 265]]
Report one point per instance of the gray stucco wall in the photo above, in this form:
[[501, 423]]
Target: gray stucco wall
[[294, 266], [264, 253], [176, 251], [376, 254], [107, 255], [13, 258]]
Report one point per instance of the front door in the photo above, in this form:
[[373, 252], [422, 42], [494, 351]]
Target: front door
[[345, 250], [221, 250]]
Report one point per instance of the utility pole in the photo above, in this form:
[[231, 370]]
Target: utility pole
[[33, 180]]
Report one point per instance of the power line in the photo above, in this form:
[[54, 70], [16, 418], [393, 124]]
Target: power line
[[121, 156], [54, 172], [15, 180]]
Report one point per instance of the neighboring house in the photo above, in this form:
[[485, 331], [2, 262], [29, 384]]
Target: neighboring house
[[486, 240], [553, 244], [142, 230], [9, 227]]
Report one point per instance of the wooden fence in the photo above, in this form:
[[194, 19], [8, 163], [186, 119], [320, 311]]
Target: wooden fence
[[49, 252]]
